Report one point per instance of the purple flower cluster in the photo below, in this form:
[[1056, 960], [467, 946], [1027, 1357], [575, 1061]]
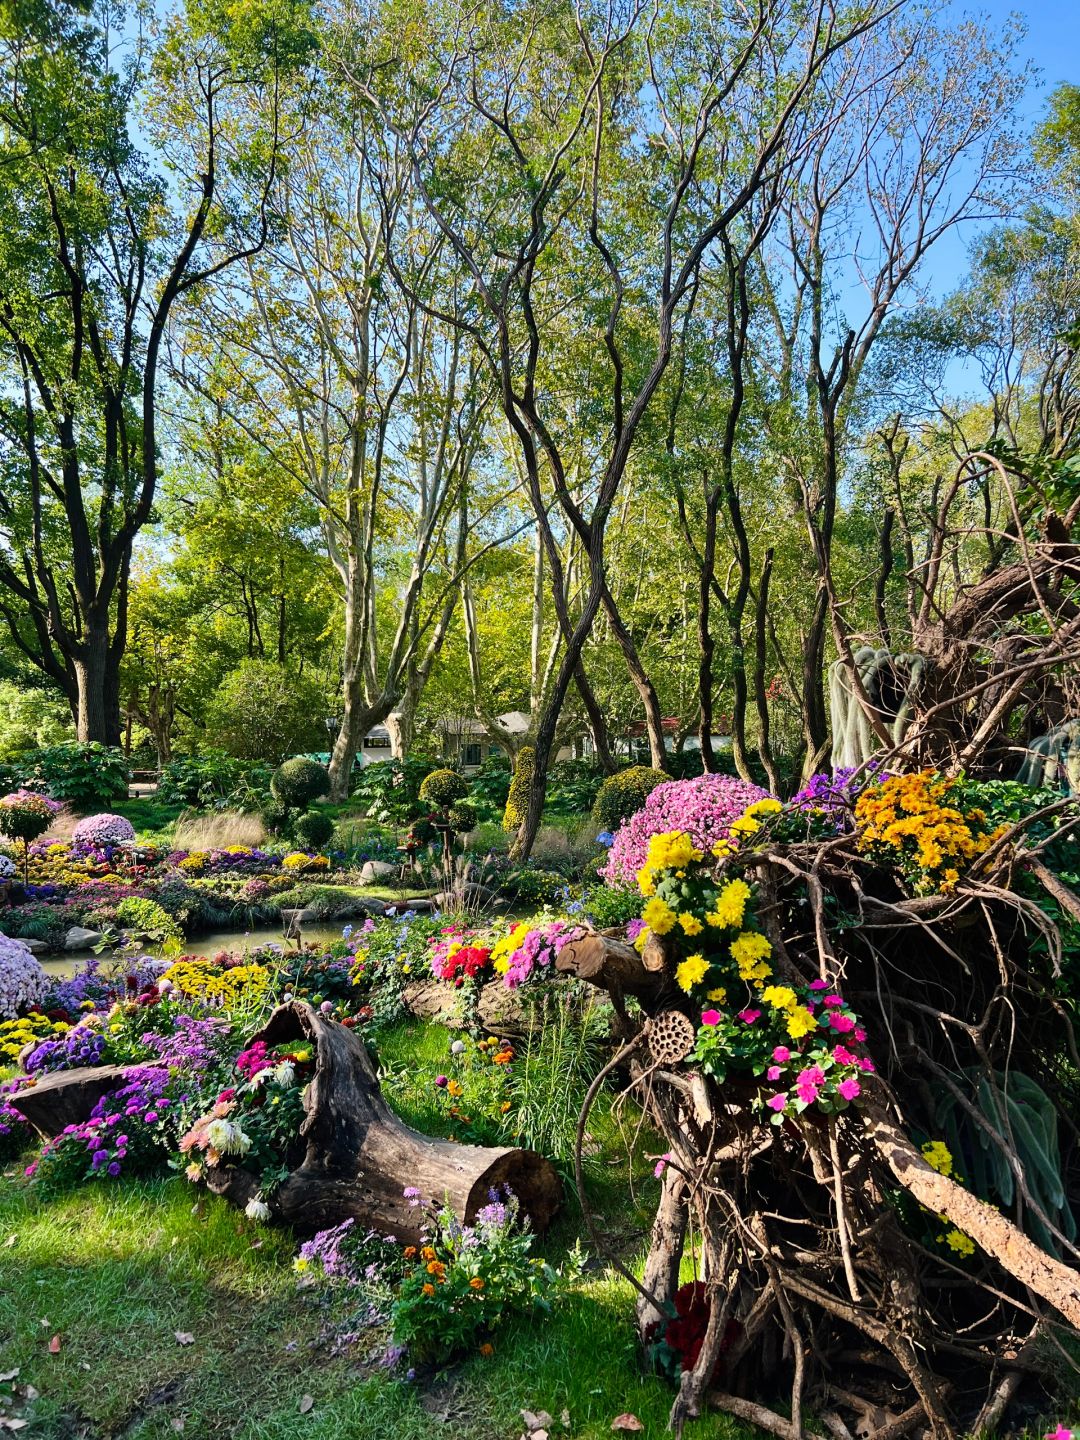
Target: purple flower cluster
[[704, 808], [326, 1249], [98, 831], [123, 1128], [833, 796], [14, 1127], [77, 1049], [194, 1044], [538, 950], [102, 987]]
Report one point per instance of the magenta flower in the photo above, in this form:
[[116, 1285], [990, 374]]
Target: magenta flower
[[860, 1035], [774, 1072], [662, 1164], [849, 1088], [781, 1053], [842, 1055], [819, 985], [1059, 1434], [777, 1102], [749, 1016], [442, 1081], [704, 808], [833, 1001], [710, 1017], [840, 1022]]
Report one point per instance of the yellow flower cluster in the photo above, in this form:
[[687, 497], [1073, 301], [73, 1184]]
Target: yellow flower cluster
[[938, 1156], [193, 863], [200, 979], [780, 997], [730, 907], [671, 850], [507, 946], [750, 951], [15, 1035], [750, 820], [910, 814], [659, 916], [691, 972], [298, 861]]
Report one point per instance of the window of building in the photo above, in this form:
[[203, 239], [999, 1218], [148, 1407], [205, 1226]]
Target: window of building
[[473, 754]]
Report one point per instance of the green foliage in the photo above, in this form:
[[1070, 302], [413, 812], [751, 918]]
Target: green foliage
[[532, 885], [517, 801], [1018, 1124], [87, 775], [490, 786], [442, 787], [299, 781], [313, 830], [211, 779], [462, 817], [623, 794], [611, 905], [277, 817], [30, 719], [390, 789], [562, 1054], [147, 920], [573, 786], [264, 711]]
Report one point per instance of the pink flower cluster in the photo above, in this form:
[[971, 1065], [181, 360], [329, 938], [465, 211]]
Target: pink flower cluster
[[704, 808], [537, 951]]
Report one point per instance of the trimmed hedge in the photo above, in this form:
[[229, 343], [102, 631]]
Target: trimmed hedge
[[623, 794], [517, 802], [298, 781], [442, 788]]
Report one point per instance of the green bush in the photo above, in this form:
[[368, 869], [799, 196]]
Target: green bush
[[212, 778], [277, 818], [462, 817], [313, 830], [572, 786], [263, 711], [147, 920], [299, 781], [31, 718], [623, 794], [390, 789], [534, 886], [517, 802], [442, 787], [490, 786], [86, 775], [607, 905]]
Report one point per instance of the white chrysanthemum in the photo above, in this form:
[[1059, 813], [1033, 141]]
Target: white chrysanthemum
[[283, 1074], [257, 1209], [227, 1138]]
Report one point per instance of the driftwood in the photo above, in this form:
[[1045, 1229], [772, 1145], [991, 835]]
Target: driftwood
[[65, 1097], [359, 1157]]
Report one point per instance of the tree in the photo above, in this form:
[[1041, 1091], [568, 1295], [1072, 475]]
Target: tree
[[97, 247]]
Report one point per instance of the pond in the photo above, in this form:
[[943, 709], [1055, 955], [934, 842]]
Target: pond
[[208, 944]]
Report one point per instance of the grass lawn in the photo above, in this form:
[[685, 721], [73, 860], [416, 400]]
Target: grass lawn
[[117, 1270]]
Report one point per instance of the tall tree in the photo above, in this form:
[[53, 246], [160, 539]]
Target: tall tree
[[98, 243]]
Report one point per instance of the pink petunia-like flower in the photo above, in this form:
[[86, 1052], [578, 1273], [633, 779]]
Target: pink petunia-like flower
[[833, 1002], [662, 1164], [774, 1072], [1061, 1433], [781, 1053], [819, 985], [849, 1088], [777, 1102], [749, 1016], [711, 1017], [840, 1022], [860, 1036], [842, 1055], [865, 1064]]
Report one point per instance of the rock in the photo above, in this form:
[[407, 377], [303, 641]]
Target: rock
[[79, 938], [34, 946], [372, 871], [470, 897], [422, 905]]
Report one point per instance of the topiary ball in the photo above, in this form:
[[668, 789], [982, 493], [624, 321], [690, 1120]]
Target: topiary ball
[[298, 781], [623, 794], [277, 817], [462, 817], [442, 787], [313, 830]]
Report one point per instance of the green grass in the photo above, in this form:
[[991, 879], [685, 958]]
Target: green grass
[[117, 1270]]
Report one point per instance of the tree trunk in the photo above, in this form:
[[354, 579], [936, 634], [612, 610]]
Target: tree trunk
[[99, 712]]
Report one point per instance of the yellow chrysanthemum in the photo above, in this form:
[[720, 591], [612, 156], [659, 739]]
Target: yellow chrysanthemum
[[659, 916], [958, 1241], [646, 883], [691, 972], [642, 936], [672, 850], [719, 995], [690, 923], [730, 906], [938, 1156], [780, 997], [800, 1022], [750, 952]]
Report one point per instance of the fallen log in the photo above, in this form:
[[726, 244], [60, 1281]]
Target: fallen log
[[65, 1097], [359, 1156]]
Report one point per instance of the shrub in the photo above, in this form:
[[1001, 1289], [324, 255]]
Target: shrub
[[100, 830], [442, 787], [211, 779], [299, 781], [277, 818], [704, 808], [490, 786], [610, 905], [517, 802], [573, 786], [263, 711], [534, 886], [30, 719], [462, 817], [147, 920], [390, 789], [22, 980], [24, 815], [624, 793], [87, 775], [313, 830]]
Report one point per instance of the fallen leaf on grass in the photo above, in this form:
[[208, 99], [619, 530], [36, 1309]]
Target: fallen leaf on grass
[[564, 1419], [184, 1337], [626, 1422], [12, 1424], [540, 1421], [54, 1345], [306, 1403]]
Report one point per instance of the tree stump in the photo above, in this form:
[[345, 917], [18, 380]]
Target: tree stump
[[66, 1097], [359, 1156]]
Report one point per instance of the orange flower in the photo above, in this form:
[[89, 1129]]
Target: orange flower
[[436, 1267], [454, 1088], [505, 1106], [410, 1251], [476, 1283], [487, 1349], [429, 1289], [503, 1058], [427, 1253]]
